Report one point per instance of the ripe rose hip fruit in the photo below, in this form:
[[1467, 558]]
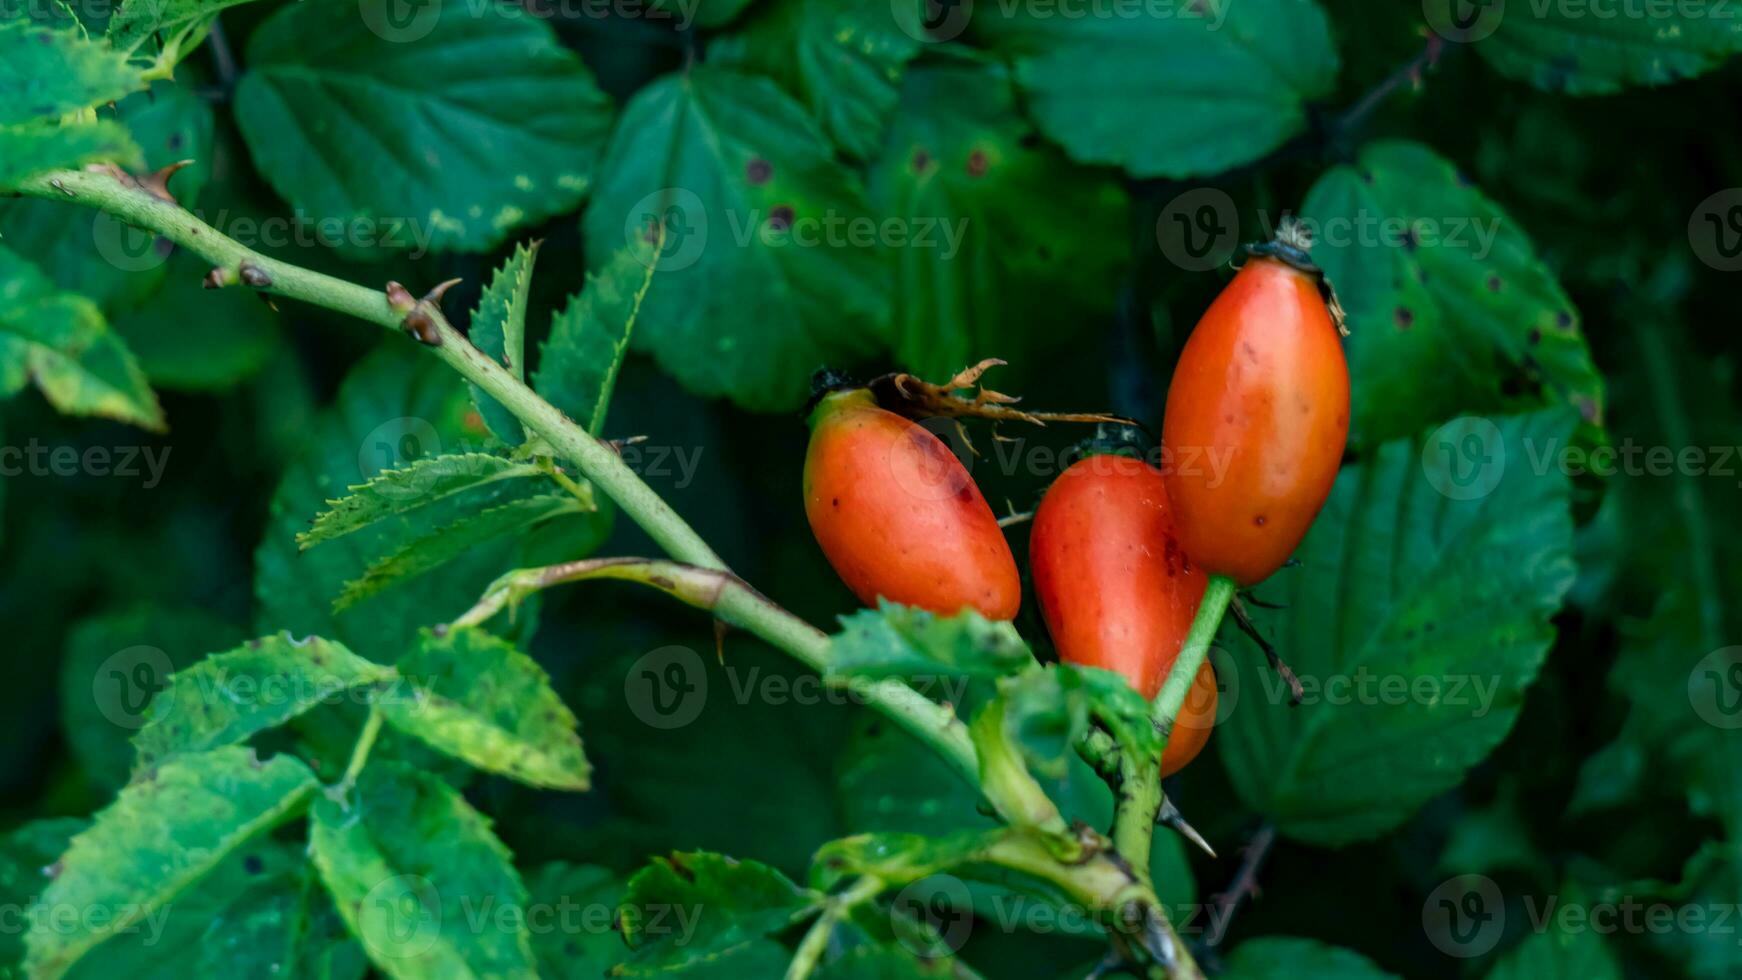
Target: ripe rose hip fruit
[[898, 515], [1116, 589], [1257, 415]]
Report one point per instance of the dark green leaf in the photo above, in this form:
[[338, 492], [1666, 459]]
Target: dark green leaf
[[499, 330], [421, 482], [1592, 50], [444, 544], [27, 855], [167, 830], [1418, 618], [589, 338], [686, 909], [1678, 568], [1450, 308], [448, 131], [477, 698], [189, 338], [760, 283], [406, 862], [1005, 241], [580, 902], [116, 664], [1705, 947], [230, 697], [1200, 90], [843, 60]]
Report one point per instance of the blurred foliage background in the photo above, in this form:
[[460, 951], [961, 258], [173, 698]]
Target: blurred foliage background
[[1603, 156]]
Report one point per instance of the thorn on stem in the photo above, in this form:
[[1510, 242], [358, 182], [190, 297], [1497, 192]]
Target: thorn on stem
[[434, 296], [218, 278], [1170, 815], [1295, 691], [422, 328]]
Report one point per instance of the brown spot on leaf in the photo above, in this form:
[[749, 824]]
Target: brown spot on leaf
[[977, 163], [758, 170], [780, 218], [1493, 284], [1404, 318], [921, 160]]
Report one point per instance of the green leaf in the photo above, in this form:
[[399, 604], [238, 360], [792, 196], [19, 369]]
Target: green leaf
[[1202, 91], [1049, 708], [499, 330], [435, 549], [1419, 617], [886, 963], [398, 405], [116, 665], [46, 73], [900, 641], [584, 944], [1559, 952], [455, 132], [756, 291], [1287, 958], [31, 148], [244, 920], [229, 697], [61, 342], [842, 60], [401, 490], [1005, 239], [1450, 309], [478, 698], [1577, 50], [179, 23], [166, 831], [406, 863], [731, 905], [898, 857], [589, 338]]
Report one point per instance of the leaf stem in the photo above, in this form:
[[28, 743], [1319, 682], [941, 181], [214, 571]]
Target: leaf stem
[[736, 602], [809, 954], [360, 753]]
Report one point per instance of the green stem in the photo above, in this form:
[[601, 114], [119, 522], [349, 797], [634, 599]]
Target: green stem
[[595, 458], [736, 602], [1217, 595], [809, 954]]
